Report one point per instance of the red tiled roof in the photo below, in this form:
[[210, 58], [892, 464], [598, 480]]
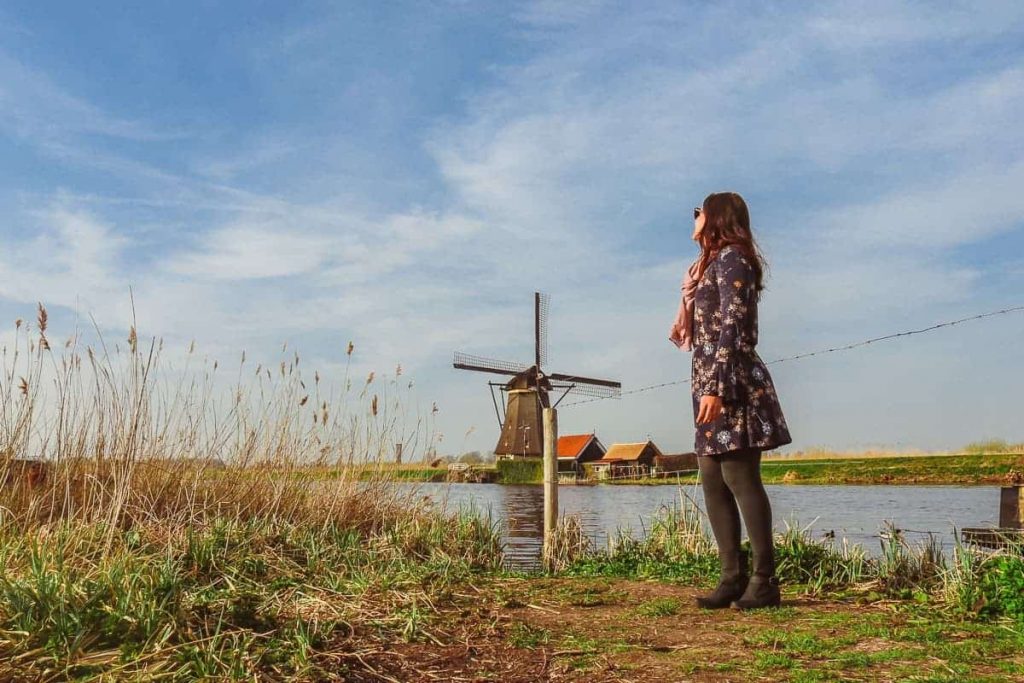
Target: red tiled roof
[[571, 445]]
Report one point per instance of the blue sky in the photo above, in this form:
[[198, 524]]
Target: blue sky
[[406, 174]]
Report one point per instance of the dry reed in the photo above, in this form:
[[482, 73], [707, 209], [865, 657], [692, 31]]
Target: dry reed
[[124, 438]]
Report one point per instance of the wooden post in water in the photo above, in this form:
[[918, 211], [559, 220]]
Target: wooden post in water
[[550, 419], [1011, 507]]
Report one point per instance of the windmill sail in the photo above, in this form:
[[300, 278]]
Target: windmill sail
[[521, 428], [465, 361], [541, 304], [589, 386]]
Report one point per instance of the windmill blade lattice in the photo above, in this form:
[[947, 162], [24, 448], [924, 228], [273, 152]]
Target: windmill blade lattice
[[542, 305], [589, 386], [466, 361], [587, 390]]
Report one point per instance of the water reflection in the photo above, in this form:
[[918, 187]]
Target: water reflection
[[854, 512]]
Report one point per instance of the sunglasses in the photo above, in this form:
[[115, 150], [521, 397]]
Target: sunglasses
[[696, 212]]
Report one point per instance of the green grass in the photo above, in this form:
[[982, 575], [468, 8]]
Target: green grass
[[233, 600], [993, 446], [939, 469], [977, 465], [593, 595], [660, 607], [830, 646], [678, 548], [964, 469], [527, 636], [529, 471], [412, 474], [982, 463], [226, 600]]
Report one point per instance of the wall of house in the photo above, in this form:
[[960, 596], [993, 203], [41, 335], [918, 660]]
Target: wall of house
[[591, 453]]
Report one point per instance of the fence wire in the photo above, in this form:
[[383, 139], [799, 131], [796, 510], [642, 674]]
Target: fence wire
[[821, 352]]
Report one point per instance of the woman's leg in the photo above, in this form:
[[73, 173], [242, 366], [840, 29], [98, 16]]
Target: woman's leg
[[723, 515], [741, 471]]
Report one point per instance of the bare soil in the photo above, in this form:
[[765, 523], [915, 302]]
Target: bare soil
[[595, 630]]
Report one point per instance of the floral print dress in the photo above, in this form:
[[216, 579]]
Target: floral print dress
[[725, 363]]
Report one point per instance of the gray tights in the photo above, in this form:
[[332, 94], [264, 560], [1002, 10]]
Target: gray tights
[[734, 478]]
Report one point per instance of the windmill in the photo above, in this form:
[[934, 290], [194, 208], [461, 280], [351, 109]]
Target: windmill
[[528, 389]]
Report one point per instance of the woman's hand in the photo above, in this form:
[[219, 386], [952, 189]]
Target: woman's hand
[[710, 409], [675, 334]]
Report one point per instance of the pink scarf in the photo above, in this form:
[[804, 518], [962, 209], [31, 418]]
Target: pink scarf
[[682, 327]]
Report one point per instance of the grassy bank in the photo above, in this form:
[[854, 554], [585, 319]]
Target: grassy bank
[[954, 469], [617, 628], [369, 472], [938, 469], [421, 595], [908, 611], [158, 523], [965, 470], [225, 599], [979, 467]]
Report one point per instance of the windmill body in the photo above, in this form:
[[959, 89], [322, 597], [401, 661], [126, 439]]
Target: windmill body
[[528, 390]]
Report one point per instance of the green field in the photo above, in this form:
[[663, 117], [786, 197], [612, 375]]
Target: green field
[[959, 469], [935, 469], [964, 470]]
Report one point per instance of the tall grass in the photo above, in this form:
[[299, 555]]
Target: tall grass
[[823, 453], [127, 441], [520, 471], [993, 446], [228, 600], [175, 529], [679, 546]]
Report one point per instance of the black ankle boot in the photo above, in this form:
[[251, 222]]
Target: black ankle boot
[[727, 590], [760, 592]]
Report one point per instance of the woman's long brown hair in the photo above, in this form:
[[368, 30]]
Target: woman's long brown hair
[[727, 222]]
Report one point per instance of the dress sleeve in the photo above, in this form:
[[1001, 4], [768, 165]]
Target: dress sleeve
[[736, 280]]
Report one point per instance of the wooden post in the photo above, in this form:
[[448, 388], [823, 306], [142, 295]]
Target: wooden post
[[1011, 507], [550, 418]]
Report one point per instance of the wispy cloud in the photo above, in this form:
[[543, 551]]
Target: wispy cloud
[[33, 107], [72, 259]]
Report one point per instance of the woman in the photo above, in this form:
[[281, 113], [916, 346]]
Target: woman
[[737, 413]]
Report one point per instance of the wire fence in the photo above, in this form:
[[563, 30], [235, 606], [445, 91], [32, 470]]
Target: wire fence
[[822, 352]]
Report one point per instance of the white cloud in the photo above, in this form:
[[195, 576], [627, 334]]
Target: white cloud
[[72, 259], [885, 26], [241, 252], [34, 107], [970, 207]]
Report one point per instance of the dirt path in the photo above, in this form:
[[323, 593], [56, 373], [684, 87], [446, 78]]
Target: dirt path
[[622, 630]]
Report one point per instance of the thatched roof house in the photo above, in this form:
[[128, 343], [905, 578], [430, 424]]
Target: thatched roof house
[[627, 459]]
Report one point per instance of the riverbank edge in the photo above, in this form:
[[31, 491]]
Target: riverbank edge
[[955, 469]]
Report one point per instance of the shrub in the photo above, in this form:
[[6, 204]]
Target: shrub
[[521, 471]]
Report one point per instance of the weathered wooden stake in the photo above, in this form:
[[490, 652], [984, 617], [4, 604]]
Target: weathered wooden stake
[[1011, 507], [550, 419]]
